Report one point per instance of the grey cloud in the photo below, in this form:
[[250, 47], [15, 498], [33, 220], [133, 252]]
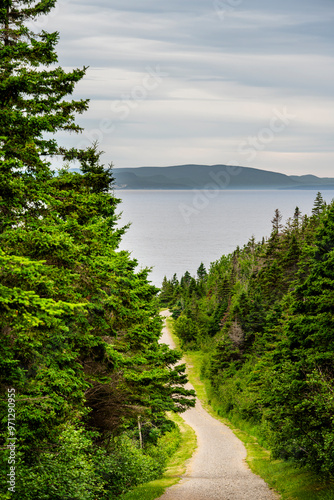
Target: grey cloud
[[258, 51]]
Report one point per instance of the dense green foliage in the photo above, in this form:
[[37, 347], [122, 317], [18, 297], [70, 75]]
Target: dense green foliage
[[80, 361], [264, 315]]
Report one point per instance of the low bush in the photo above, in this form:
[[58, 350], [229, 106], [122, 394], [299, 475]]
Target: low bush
[[78, 470]]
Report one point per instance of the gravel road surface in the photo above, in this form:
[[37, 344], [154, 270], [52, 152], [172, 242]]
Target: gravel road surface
[[217, 470]]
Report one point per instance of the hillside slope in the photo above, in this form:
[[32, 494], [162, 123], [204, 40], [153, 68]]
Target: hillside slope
[[213, 177]]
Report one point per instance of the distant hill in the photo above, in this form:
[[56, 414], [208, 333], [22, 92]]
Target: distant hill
[[214, 176]]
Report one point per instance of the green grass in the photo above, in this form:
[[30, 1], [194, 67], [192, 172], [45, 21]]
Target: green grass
[[175, 468], [291, 482]]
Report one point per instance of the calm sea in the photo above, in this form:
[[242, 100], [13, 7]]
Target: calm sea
[[174, 231]]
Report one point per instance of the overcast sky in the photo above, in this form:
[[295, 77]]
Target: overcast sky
[[247, 82]]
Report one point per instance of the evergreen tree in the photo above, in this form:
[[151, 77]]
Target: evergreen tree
[[166, 294], [296, 218], [192, 286], [175, 281], [185, 280], [277, 221], [319, 205], [31, 104], [79, 328], [202, 273]]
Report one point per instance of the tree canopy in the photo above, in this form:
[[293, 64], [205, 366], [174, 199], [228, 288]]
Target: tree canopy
[[263, 318], [79, 325]]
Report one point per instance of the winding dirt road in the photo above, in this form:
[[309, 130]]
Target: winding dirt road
[[217, 470]]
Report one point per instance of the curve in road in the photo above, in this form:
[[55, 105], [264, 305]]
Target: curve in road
[[217, 470]]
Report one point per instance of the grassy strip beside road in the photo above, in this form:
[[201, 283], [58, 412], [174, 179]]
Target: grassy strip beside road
[[175, 468], [291, 482]]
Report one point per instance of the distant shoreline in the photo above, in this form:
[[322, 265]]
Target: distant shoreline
[[214, 178], [260, 188]]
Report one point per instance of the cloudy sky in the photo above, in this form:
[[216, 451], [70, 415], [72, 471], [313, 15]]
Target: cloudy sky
[[246, 82]]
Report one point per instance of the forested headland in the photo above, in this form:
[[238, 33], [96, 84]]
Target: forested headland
[[218, 177], [263, 319], [85, 384]]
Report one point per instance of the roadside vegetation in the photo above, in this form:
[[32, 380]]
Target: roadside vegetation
[[84, 384], [292, 481], [175, 466], [258, 330]]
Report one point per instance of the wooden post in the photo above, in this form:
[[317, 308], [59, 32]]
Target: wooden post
[[140, 434]]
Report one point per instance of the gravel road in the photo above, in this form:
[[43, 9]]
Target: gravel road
[[217, 470]]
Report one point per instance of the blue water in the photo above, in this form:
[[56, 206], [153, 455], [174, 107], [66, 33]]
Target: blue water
[[174, 231]]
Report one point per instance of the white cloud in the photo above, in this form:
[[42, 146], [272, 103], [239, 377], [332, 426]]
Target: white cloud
[[225, 77]]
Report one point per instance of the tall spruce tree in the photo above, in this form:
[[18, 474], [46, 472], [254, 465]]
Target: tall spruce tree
[[296, 219], [79, 328], [319, 205], [277, 221], [201, 273], [32, 103]]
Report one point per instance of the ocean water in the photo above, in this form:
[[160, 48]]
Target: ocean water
[[174, 231]]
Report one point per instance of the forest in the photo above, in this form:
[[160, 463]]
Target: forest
[[85, 384], [86, 389], [263, 319]]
